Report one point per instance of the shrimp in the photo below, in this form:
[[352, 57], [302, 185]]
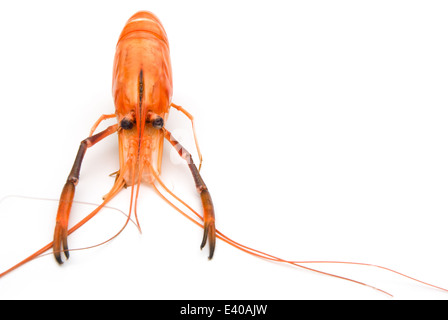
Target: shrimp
[[142, 89]]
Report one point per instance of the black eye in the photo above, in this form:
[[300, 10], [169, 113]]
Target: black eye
[[157, 123], [126, 124]]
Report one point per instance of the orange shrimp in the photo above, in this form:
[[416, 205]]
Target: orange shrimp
[[142, 91]]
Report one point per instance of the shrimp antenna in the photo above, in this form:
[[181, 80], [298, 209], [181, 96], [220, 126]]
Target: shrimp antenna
[[270, 257]]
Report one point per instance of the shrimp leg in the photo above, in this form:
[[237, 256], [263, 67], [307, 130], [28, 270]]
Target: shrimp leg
[[102, 118], [68, 193], [207, 204], [189, 116]]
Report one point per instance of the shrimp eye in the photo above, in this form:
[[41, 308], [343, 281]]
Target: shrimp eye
[[157, 123], [126, 124]]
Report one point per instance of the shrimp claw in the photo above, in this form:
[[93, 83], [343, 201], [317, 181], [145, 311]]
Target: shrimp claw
[[209, 221], [60, 243], [207, 204]]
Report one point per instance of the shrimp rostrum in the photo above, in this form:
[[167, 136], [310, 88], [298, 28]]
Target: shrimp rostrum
[[142, 90]]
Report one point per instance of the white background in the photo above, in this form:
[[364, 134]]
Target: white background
[[323, 126]]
